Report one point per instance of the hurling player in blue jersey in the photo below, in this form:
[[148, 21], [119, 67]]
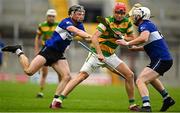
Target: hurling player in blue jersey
[[158, 52], [53, 52]]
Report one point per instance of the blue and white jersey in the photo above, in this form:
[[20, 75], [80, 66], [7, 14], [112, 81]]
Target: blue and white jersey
[[61, 37], [156, 47]]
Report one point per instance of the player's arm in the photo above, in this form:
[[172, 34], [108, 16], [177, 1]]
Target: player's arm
[[142, 38], [100, 29], [37, 39], [129, 37], [78, 32], [36, 43], [136, 48], [95, 41]]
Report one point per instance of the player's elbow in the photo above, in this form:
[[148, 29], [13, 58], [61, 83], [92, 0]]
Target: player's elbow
[[66, 77], [143, 40]]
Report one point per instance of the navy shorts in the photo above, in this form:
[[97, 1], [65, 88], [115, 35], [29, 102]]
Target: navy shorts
[[51, 55], [161, 66]]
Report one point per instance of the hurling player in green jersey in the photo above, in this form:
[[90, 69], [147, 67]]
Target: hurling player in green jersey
[[44, 32], [107, 45]]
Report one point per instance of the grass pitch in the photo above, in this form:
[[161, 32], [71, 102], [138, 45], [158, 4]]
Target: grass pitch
[[18, 97]]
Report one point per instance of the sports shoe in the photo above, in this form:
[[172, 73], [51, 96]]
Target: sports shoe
[[134, 108], [56, 104], [11, 48], [40, 95], [168, 102], [146, 109]]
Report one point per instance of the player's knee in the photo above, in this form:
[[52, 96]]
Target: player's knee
[[130, 76], [83, 75], [44, 74], [67, 77], [139, 81], [29, 73]]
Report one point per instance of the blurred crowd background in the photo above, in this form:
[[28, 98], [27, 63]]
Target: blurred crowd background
[[19, 20]]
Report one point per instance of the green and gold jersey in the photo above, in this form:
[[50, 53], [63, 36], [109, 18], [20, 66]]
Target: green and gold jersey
[[45, 31], [107, 39]]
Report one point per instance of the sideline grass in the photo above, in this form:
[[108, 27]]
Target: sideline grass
[[18, 97]]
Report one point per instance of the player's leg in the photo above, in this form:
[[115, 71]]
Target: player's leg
[[74, 82], [89, 66], [34, 66], [157, 84], [129, 82], [162, 67], [129, 85], [146, 76], [64, 73], [167, 100], [29, 68], [43, 81]]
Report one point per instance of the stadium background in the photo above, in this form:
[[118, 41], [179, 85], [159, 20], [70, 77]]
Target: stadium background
[[20, 18]]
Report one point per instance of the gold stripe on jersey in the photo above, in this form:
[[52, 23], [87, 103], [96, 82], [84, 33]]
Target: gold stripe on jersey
[[107, 49]]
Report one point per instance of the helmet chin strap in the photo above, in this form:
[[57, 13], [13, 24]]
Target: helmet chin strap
[[118, 21], [76, 20], [138, 21]]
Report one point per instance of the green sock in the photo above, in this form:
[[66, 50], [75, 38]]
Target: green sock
[[164, 94], [131, 101], [41, 89], [62, 97]]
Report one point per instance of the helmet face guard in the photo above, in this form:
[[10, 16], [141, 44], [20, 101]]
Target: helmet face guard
[[77, 12], [141, 13], [51, 15], [137, 16]]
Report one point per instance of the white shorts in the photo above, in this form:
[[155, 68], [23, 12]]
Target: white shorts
[[92, 63]]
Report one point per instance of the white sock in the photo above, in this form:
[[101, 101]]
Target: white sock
[[146, 104], [19, 51]]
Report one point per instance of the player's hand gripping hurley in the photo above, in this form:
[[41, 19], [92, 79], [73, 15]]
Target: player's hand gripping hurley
[[107, 65]]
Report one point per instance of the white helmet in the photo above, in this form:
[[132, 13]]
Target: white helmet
[[51, 12], [143, 12]]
